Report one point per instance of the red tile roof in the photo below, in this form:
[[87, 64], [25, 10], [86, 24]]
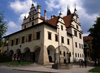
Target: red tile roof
[[87, 38], [67, 20], [42, 18]]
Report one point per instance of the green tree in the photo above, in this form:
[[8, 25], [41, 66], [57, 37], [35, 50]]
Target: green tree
[[95, 33], [3, 27]]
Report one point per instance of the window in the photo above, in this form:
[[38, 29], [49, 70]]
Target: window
[[30, 19], [32, 23], [49, 35], [62, 39], [38, 35], [75, 44], [75, 32], [75, 54], [29, 38], [80, 36], [56, 37], [79, 45], [77, 26], [61, 27], [64, 53], [16, 41], [33, 18], [78, 54], [68, 41], [12, 43], [24, 26], [23, 39]]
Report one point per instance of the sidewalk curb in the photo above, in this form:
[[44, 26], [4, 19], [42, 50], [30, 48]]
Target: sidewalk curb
[[35, 71]]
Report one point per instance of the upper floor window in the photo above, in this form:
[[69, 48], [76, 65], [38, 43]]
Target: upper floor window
[[79, 45], [16, 41], [64, 53], [30, 37], [32, 23], [33, 18], [62, 39], [80, 35], [38, 35], [56, 37], [75, 44], [12, 43], [75, 32], [77, 26], [61, 27], [49, 35], [68, 41], [23, 39], [75, 54], [24, 26]]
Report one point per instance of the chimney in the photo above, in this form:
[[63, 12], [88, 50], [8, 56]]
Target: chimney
[[51, 16], [45, 14]]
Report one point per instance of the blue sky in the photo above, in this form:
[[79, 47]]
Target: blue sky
[[15, 10]]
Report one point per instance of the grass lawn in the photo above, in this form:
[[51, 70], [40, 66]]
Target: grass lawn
[[15, 63], [96, 69]]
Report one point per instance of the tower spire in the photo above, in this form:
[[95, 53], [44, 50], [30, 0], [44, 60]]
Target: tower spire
[[68, 10]]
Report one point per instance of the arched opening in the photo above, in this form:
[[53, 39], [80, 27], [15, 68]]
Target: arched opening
[[18, 53], [27, 54], [51, 51], [11, 53], [36, 54], [50, 59]]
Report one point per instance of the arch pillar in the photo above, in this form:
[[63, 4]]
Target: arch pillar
[[43, 57]]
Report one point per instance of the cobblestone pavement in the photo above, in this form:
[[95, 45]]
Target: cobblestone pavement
[[48, 69]]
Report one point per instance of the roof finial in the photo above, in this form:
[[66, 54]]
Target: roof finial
[[32, 3], [75, 8], [68, 10]]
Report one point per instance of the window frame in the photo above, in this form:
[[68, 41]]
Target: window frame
[[49, 35]]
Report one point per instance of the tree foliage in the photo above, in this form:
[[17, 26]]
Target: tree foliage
[[3, 27], [95, 33]]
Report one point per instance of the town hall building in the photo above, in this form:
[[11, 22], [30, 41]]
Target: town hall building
[[44, 40]]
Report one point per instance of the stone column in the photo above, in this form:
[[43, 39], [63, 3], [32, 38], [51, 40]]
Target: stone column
[[43, 57], [31, 56], [14, 56]]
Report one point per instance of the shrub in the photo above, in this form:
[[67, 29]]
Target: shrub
[[5, 58]]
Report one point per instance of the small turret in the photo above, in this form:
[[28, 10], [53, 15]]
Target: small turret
[[60, 14], [38, 8]]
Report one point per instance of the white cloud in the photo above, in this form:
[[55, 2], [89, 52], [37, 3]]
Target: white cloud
[[12, 25], [85, 34], [21, 6], [86, 20]]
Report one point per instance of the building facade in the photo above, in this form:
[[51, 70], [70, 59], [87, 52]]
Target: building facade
[[40, 39]]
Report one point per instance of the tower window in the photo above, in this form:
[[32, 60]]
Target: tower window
[[77, 26], [64, 53], [61, 27], [75, 54], [33, 18], [75, 32], [25, 27], [32, 23], [62, 39], [80, 36], [68, 41]]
